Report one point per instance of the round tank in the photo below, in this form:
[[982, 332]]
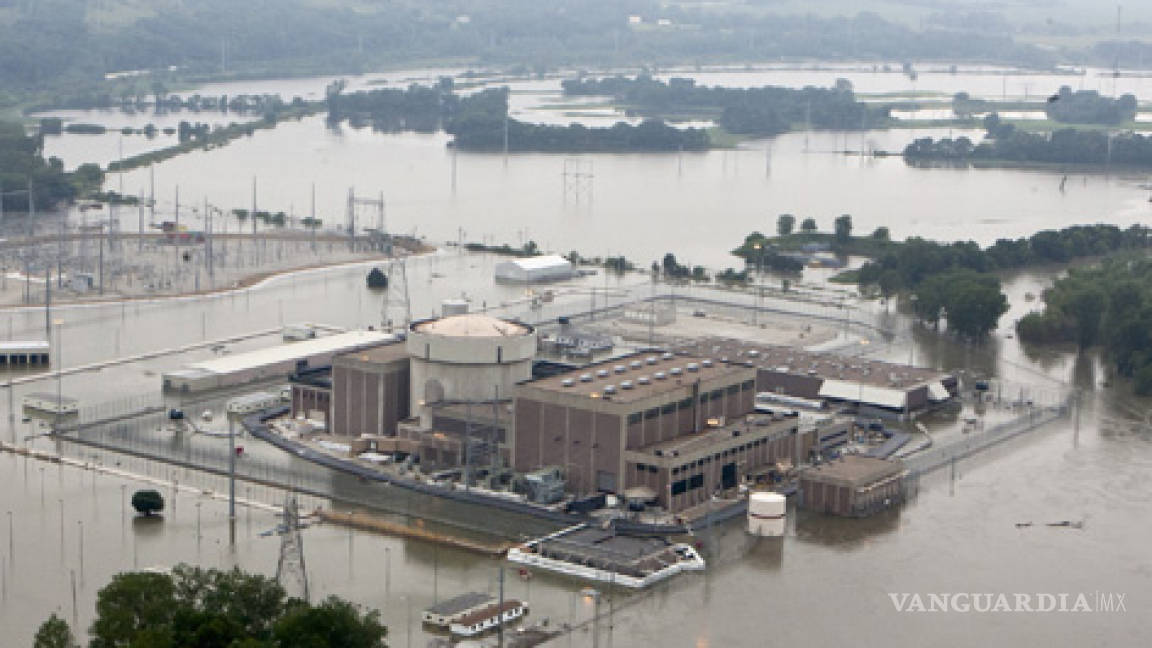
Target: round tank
[[767, 514], [469, 357]]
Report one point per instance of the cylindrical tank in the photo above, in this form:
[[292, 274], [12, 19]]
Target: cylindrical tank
[[472, 357], [766, 514]]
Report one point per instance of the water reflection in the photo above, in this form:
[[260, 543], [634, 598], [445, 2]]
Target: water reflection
[[845, 534]]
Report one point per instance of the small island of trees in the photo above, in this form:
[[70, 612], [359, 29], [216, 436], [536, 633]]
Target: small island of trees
[[1108, 305], [1006, 143]]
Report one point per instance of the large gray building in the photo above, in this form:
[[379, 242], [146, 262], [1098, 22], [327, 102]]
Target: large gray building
[[899, 390]]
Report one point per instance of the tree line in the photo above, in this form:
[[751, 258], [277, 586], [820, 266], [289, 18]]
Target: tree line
[[193, 607], [768, 110], [480, 122], [69, 45], [23, 167], [1107, 305], [1005, 142], [955, 277]]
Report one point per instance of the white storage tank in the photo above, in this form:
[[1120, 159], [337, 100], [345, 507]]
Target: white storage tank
[[766, 513]]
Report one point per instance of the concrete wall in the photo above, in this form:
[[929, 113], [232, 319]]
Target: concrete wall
[[586, 443], [768, 380], [307, 400], [368, 401], [466, 368]]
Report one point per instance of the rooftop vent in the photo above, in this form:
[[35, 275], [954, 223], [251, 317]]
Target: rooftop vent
[[627, 384], [693, 367], [676, 371], [603, 373], [659, 375], [585, 377], [567, 382], [643, 380], [652, 360]]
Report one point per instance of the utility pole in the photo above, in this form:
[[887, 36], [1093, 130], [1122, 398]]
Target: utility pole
[[253, 214], [48, 303], [151, 196], [140, 210], [232, 489], [500, 613]]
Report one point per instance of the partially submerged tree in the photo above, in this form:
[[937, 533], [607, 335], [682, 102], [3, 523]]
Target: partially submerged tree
[[147, 501]]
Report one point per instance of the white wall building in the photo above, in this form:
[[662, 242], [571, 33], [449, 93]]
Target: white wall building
[[535, 269]]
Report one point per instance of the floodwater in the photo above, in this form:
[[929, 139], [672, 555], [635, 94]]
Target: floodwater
[[826, 583]]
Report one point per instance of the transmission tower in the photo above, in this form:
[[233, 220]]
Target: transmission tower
[[355, 205], [397, 273], [290, 571], [577, 176]]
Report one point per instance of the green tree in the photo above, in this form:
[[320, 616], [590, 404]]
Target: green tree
[[785, 223], [843, 228], [890, 283], [54, 633], [808, 226], [209, 608], [131, 606], [148, 501]]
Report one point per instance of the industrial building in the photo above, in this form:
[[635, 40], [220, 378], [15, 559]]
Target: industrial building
[[312, 394], [853, 486], [470, 357], [676, 425], [278, 361], [445, 613], [536, 269], [370, 389], [882, 387], [24, 353]]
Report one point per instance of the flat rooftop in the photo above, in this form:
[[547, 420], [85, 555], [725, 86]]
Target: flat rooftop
[[828, 366], [458, 604], [37, 346], [292, 351], [648, 373], [709, 438], [854, 471], [382, 355]]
